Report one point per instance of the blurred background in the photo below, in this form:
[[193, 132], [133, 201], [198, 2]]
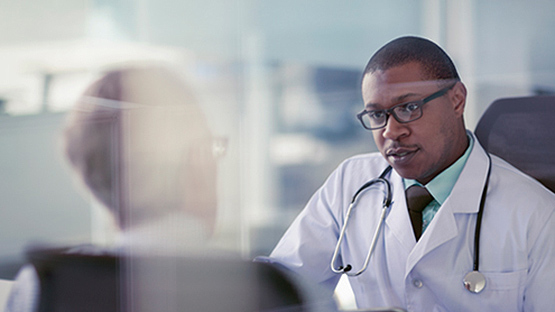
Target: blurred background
[[278, 79]]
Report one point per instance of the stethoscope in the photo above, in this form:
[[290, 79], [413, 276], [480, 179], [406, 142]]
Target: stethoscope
[[474, 281]]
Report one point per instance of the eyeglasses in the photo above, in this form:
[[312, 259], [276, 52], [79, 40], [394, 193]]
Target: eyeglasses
[[403, 113]]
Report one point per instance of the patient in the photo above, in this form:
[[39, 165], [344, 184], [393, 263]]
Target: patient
[[138, 142], [140, 145]]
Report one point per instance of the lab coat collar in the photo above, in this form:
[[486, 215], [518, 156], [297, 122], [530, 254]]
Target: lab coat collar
[[398, 220], [464, 198], [466, 194]]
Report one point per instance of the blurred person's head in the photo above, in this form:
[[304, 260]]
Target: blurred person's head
[[414, 104], [141, 145]]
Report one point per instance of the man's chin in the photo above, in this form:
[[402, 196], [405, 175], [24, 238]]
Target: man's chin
[[406, 173]]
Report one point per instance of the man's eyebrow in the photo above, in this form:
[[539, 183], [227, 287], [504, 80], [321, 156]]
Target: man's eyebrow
[[400, 99], [403, 97], [372, 106]]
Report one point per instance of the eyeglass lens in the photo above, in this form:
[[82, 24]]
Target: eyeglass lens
[[403, 113]]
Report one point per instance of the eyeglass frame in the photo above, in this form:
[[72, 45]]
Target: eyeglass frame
[[391, 112]]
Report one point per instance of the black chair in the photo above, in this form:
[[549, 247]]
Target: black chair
[[76, 282], [522, 132], [92, 283]]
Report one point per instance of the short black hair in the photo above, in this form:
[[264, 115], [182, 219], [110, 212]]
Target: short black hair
[[437, 65]]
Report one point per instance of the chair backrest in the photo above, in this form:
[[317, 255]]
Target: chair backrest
[[522, 132], [76, 282], [168, 284]]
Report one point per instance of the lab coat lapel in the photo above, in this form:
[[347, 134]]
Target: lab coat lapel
[[464, 199], [398, 220], [441, 230]]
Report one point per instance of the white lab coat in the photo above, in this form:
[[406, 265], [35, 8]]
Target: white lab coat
[[517, 244]]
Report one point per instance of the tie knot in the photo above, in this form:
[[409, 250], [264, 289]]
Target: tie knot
[[418, 198]]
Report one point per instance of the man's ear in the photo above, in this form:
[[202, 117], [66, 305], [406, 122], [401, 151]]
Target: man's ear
[[458, 98]]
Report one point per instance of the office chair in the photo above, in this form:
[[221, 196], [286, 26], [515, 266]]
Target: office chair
[[92, 283], [522, 132]]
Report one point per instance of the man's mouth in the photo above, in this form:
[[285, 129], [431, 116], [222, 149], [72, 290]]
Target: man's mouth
[[400, 155]]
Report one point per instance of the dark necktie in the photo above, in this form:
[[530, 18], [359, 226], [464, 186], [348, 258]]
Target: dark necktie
[[418, 198]]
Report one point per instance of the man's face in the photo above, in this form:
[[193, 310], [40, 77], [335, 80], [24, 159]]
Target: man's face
[[423, 148]]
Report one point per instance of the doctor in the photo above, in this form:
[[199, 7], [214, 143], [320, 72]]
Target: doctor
[[414, 103]]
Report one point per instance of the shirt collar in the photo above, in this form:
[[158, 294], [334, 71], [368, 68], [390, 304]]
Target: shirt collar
[[440, 187]]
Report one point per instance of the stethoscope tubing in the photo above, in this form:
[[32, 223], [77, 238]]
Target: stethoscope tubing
[[385, 206], [477, 230], [475, 281]]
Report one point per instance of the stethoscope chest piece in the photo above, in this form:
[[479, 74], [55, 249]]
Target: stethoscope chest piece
[[474, 282]]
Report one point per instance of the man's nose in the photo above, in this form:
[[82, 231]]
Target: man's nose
[[394, 130]]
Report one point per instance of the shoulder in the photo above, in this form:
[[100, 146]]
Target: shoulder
[[514, 183], [520, 198], [358, 169], [373, 162], [349, 176], [25, 291], [509, 187]]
